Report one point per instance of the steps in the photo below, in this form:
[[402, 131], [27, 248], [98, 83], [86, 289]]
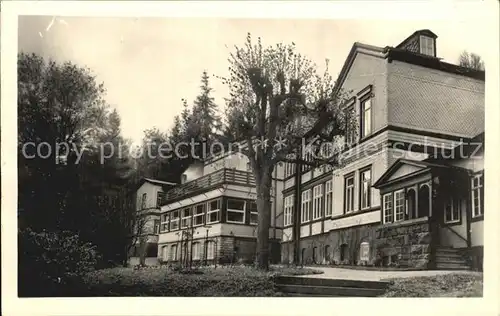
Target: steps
[[450, 259], [304, 286]]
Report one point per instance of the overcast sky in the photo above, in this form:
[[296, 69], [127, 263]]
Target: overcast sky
[[149, 64]]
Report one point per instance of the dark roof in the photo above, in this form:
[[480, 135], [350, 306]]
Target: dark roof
[[401, 55], [462, 151], [432, 62]]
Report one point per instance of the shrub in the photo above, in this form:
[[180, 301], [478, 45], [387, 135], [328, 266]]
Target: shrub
[[52, 264]]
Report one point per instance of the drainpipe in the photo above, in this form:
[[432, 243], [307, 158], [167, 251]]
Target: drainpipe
[[296, 208], [468, 210], [275, 200]]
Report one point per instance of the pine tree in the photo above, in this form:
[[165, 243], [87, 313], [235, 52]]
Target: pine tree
[[206, 122]]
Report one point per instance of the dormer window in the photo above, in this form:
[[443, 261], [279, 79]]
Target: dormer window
[[421, 42], [427, 45]]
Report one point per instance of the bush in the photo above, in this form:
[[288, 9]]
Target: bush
[[52, 264], [230, 281]]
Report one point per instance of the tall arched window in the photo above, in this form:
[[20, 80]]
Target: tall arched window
[[196, 250], [164, 253], [327, 253], [344, 252], [315, 255], [412, 203], [423, 201], [173, 252], [210, 250]]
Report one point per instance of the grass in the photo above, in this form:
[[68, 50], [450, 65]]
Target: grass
[[447, 285], [226, 281]]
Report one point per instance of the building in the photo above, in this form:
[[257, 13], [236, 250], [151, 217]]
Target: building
[[379, 206], [211, 217], [148, 195]]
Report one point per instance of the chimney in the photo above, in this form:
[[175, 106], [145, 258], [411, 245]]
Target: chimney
[[421, 42]]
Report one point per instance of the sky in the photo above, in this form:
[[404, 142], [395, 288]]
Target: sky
[[149, 64]]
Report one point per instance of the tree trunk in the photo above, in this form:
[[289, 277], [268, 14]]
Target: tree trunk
[[142, 252], [264, 221]]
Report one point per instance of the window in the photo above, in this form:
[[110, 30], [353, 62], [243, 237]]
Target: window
[[156, 226], [210, 250], [186, 218], [159, 198], [317, 201], [308, 156], [199, 213], [366, 117], [399, 205], [365, 183], [304, 212], [174, 220], [327, 154], [196, 250], [249, 166], [329, 198], [235, 211], [143, 201], [213, 211], [477, 195], [350, 137], [254, 215], [289, 169], [452, 210], [173, 253], [426, 45], [349, 194], [288, 217], [164, 253], [164, 219], [327, 254], [387, 207]]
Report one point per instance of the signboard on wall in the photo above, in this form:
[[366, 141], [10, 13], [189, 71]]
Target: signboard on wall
[[364, 251]]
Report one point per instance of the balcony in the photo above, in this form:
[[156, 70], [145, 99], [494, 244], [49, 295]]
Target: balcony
[[206, 183]]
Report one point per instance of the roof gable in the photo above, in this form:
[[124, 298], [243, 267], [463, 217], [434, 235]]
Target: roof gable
[[399, 169]]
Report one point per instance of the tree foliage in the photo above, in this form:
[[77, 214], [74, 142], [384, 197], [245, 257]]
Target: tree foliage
[[66, 185], [277, 98], [471, 61]]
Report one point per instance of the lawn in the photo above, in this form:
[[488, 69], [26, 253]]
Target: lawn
[[447, 285], [225, 281]]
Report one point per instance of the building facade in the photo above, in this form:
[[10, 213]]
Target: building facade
[[410, 107], [148, 196], [211, 217]]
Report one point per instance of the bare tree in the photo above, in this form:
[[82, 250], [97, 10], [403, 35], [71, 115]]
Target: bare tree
[[138, 236], [471, 61], [277, 98]]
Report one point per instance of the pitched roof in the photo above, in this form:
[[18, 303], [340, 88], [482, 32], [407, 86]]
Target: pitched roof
[[159, 182], [424, 165]]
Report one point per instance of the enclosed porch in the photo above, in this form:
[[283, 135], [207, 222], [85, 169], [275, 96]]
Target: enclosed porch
[[423, 205]]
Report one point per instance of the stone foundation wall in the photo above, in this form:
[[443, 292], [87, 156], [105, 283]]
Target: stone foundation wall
[[405, 244], [336, 247]]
